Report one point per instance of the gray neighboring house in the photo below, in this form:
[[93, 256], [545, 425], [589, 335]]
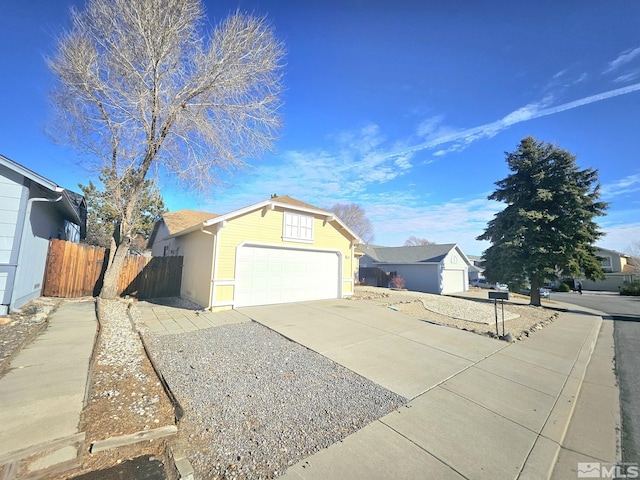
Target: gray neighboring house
[[33, 210], [438, 269], [476, 271]]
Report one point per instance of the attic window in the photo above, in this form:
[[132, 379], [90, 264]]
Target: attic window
[[297, 227]]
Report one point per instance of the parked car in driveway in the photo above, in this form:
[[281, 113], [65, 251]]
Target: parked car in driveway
[[544, 292], [483, 283]]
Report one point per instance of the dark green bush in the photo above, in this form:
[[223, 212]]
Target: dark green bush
[[563, 287], [630, 288]]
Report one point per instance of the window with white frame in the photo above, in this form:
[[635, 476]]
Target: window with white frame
[[606, 264], [297, 227]]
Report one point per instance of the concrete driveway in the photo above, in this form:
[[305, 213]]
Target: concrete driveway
[[479, 407], [402, 353]]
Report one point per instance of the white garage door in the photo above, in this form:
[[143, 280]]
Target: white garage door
[[268, 275], [453, 281]]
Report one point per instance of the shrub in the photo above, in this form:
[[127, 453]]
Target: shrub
[[564, 287], [631, 288], [397, 282]]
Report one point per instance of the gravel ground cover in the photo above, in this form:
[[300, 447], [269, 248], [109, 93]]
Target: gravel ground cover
[[125, 395], [256, 403], [473, 315]]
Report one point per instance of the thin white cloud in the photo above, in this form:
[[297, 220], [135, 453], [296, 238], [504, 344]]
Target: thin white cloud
[[622, 59], [356, 161], [628, 184], [627, 77], [455, 221], [620, 236], [463, 138]]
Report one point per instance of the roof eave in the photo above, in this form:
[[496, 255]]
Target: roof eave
[[266, 203]]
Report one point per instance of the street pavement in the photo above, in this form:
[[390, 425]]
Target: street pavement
[[623, 313]]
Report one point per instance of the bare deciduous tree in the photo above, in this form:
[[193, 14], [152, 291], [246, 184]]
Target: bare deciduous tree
[[142, 87], [414, 241], [354, 217], [634, 253]]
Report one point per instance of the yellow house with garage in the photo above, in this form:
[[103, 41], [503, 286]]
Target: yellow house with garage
[[281, 250]]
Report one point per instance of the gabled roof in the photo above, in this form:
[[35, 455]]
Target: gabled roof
[[284, 202], [182, 219], [292, 201], [412, 254], [72, 204], [178, 221], [614, 252]]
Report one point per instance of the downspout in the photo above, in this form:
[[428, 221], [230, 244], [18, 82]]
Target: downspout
[[353, 270], [213, 273], [27, 218], [216, 251]]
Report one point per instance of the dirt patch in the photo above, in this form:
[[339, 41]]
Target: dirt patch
[[19, 329]]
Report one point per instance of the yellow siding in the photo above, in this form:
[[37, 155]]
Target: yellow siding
[[265, 227], [197, 248]]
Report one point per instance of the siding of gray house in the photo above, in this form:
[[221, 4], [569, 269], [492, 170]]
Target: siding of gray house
[[32, 211], [13, 201], [437, 269]]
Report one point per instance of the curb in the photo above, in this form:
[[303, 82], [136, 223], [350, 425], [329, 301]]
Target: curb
[[544, 454]]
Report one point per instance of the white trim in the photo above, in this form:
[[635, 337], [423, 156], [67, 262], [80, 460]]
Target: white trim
[[349, 280], [377, 264], [216, 255], [30, 174], [269, 204], [223, 304], [287, 247], [300, 227], [226, 282]]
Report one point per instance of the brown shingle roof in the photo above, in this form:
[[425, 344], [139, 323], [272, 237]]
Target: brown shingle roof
[[293, 201], [181, 219]]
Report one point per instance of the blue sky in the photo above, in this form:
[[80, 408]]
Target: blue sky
[[405, 108]]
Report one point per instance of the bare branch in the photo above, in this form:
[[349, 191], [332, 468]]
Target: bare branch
[[140, 84], [354, 216]]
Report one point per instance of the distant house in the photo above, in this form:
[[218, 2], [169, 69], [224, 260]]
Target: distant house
[[618, 268], [438, 269], [277, 251], [33, 210], [476, 271]]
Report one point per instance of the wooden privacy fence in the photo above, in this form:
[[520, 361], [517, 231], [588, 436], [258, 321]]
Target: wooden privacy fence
[[77, 270]]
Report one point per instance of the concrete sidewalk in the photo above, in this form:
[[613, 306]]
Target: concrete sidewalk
[[166, 320], [479, 408], [42, 396]]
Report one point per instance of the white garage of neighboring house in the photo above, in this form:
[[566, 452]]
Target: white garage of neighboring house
[[438, 269]]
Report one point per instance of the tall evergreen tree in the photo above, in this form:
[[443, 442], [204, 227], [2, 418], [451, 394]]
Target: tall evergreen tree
[[104, 210], [548, 224]]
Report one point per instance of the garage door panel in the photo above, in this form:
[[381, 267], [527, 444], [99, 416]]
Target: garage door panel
[[278, 275], [453, 281]]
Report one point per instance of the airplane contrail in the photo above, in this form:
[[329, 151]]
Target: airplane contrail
[[523, 114]]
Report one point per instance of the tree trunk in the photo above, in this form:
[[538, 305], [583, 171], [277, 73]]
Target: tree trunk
[[110, 283], [535, 294]]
